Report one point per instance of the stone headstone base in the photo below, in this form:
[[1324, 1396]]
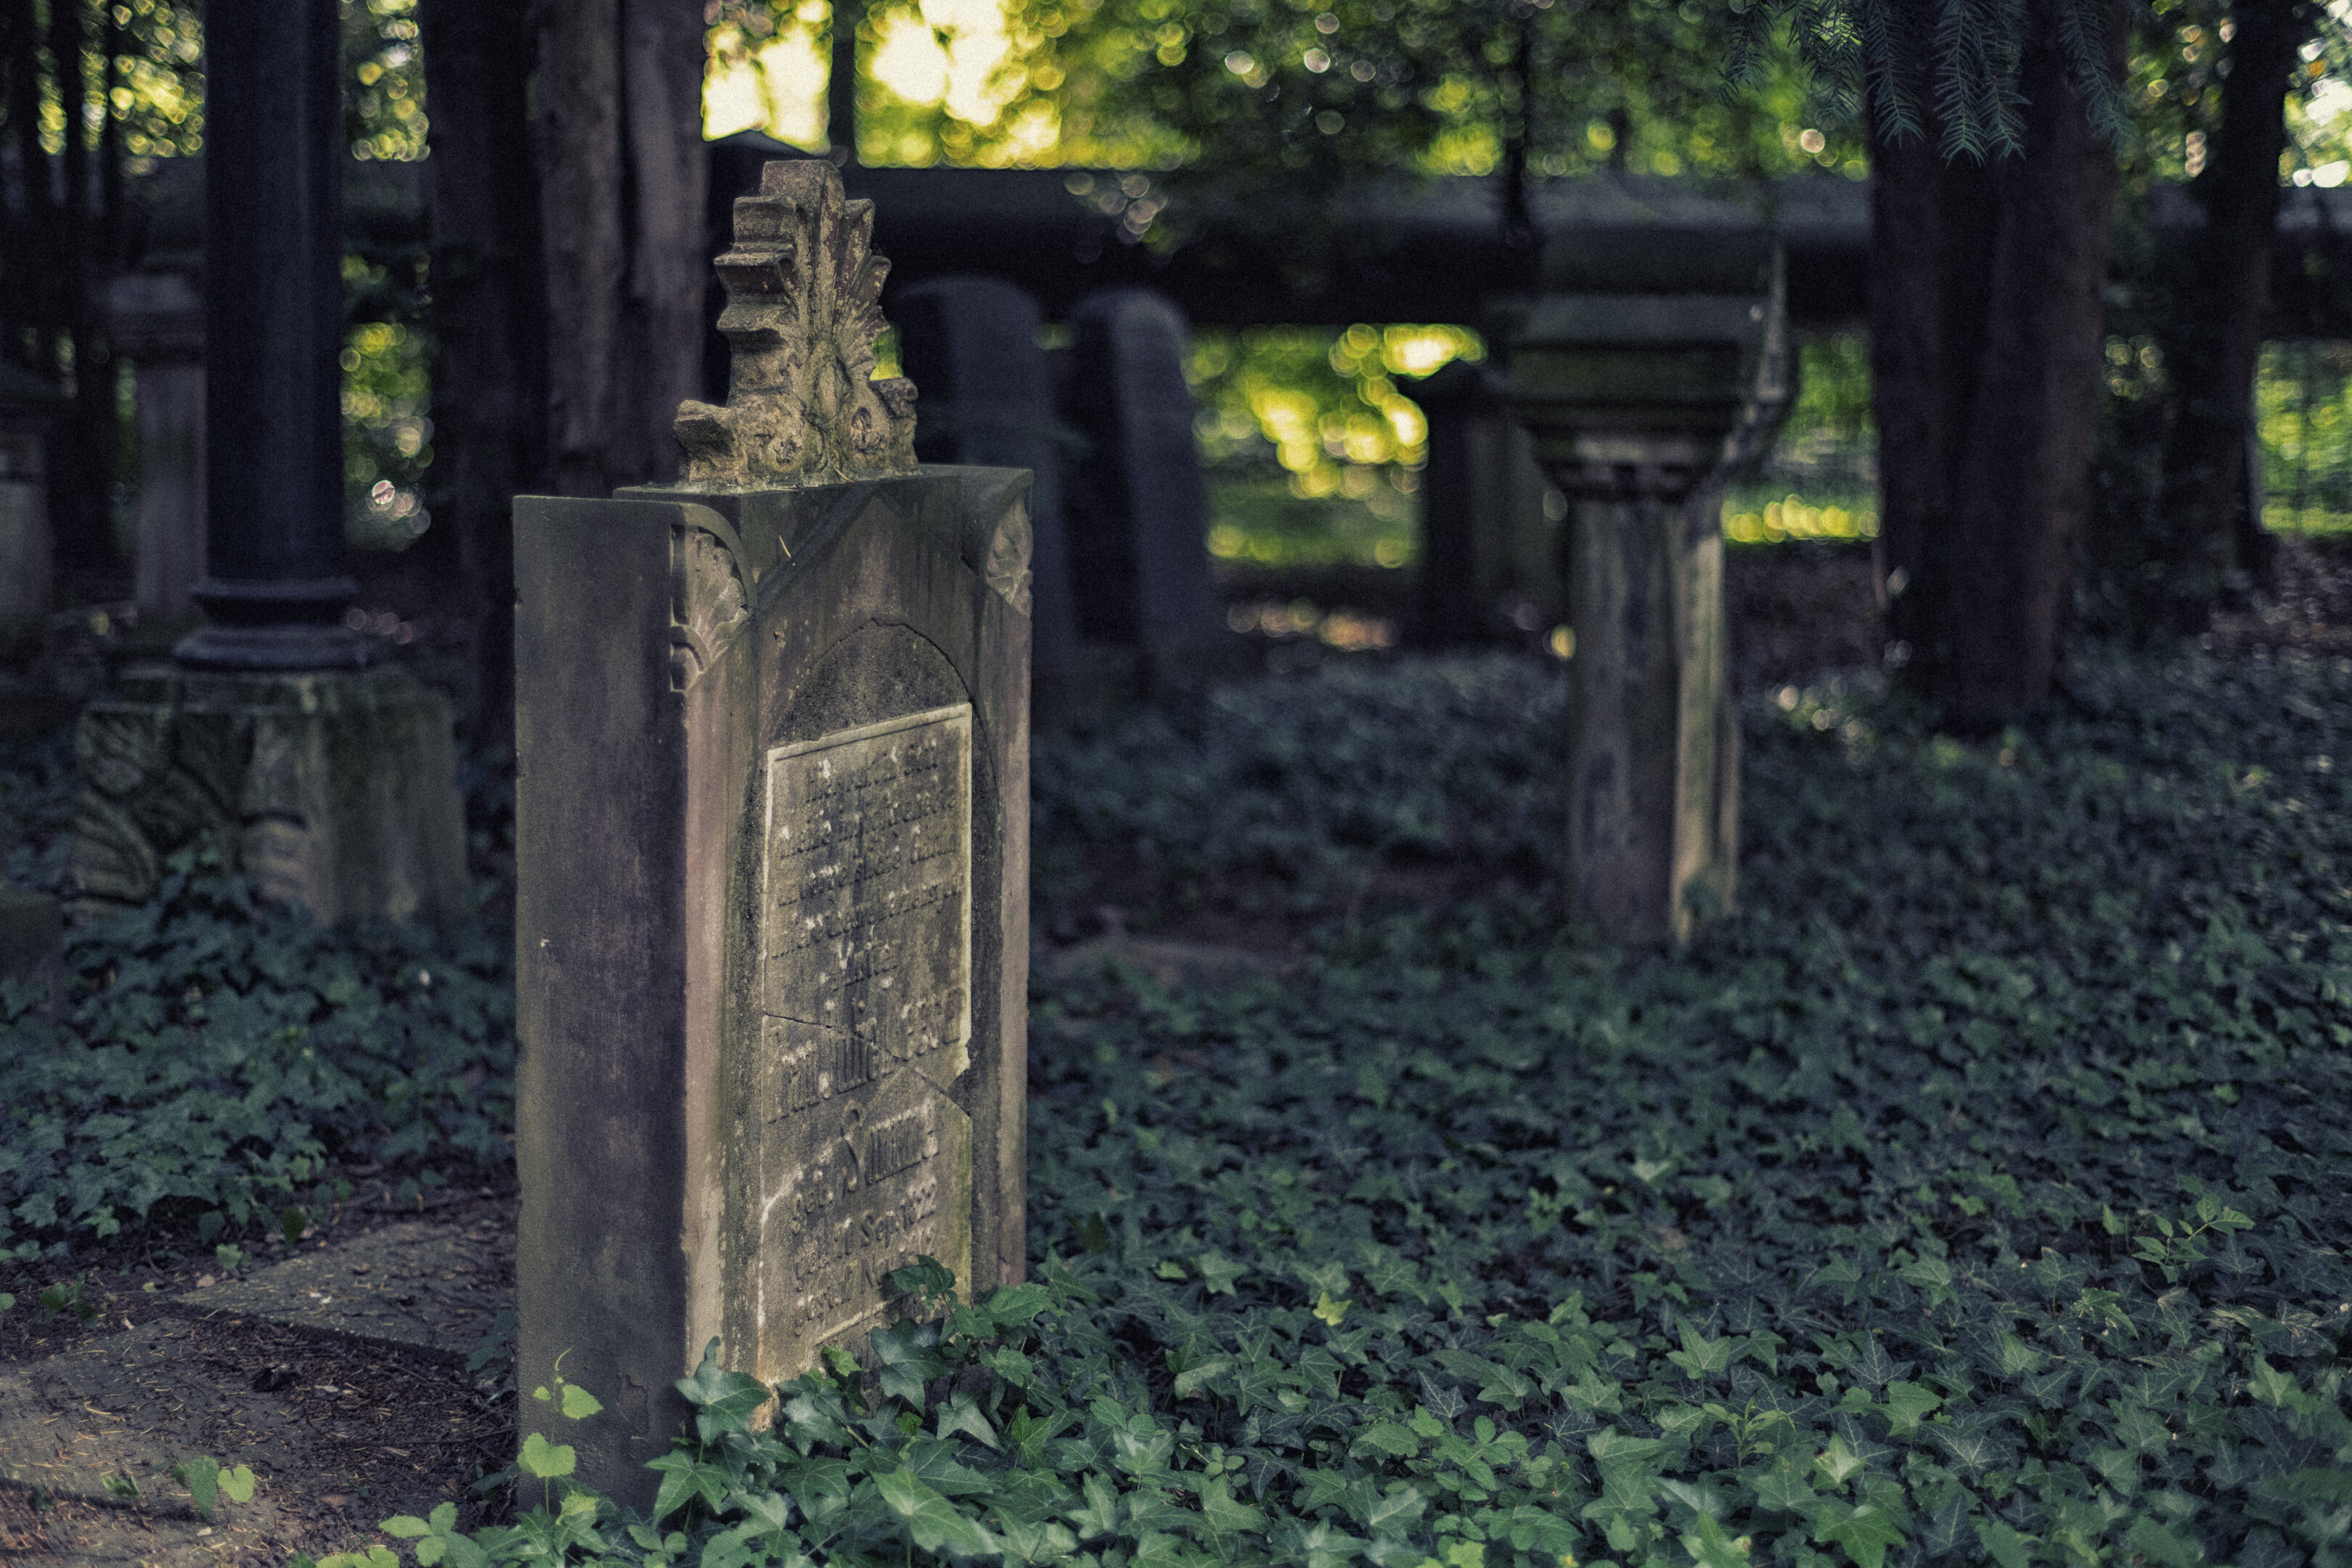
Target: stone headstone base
[[335, 789]]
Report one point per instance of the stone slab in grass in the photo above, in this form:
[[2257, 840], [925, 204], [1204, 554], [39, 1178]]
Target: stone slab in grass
[[432, 1288]]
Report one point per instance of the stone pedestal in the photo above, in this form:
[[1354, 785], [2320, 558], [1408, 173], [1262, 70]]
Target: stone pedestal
[[772, 737], [334, 789], [1640, 406]]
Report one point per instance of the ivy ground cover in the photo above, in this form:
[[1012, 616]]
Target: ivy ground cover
[[1977, 1192]]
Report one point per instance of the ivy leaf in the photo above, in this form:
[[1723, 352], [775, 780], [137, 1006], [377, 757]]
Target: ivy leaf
[[1710, 1547], [1947, 1524], [1319, 1545], [1865, 1532], [932, 1521], [960, 1414], [1395, 1510], [1504, 1387], [1442, 1400], [1838, 1461], [1192, 1379], [2166, 1546], [1219, 1273], [906, 1360], [684, 1478], [927, 1279], [723, 1401], [1099, 1514], [1391, 1439], [1788, 1488], [2269, 1384], [1701, 1357], [579, 1405], [2005, 1545], [1222, 1515], [1042, 1543], [1908, 1403]]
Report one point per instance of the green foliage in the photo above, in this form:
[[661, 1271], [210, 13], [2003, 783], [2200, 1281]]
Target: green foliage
[[387, 390], [1953, 70], [1304, 783], [216, 1054], [1975, 1193]]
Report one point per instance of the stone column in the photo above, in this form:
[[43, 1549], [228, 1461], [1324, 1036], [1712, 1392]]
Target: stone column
[[1642, 405], [325, 781], [157, 322], [276, 581]]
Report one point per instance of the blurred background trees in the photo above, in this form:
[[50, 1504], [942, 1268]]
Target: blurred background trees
[[565, 194]]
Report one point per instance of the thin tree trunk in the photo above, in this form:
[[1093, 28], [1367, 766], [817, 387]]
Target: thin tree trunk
[[1986, 331], [489, 328], [82, 459], [19, 233], [841, 83], [2212, 340], [621, 191], [34, 264]]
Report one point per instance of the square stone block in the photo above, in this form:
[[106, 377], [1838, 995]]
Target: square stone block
[[334, 789]]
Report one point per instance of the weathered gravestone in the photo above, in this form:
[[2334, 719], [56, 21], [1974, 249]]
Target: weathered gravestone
[[1491, 550], [1649, 373], [972, 344], [1137, 504], [772, 737]]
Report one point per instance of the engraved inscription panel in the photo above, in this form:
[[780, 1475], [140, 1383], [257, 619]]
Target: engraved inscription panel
[[865, 945]]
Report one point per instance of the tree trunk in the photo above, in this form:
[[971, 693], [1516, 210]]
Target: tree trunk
[[1986, 332], [81, 451], [489, 328], [621, 193], [2206, 526]]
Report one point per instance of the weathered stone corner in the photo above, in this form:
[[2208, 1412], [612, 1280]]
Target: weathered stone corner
[[803, 314]]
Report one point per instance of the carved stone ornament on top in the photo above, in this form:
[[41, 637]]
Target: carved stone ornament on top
[[803, 310]]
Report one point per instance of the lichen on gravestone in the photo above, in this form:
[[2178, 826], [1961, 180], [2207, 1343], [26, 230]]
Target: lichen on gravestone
[[803, 314]]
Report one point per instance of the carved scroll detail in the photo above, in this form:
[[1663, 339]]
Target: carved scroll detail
[[803, 311], [708, 598]]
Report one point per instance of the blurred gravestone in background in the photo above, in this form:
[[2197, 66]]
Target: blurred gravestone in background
[[1491, 556], [1136, 504], [973, 345], [771, 919]]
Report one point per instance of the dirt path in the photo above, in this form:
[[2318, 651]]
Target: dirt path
[[337, 1375]]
